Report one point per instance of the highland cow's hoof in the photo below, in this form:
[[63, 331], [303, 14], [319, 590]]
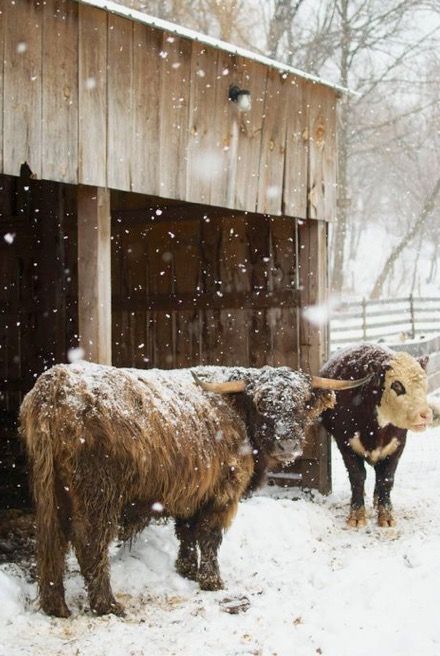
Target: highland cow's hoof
[[57, 609], [187, 568], [213, 582], [385, 517], [113, 608], [357, 518]]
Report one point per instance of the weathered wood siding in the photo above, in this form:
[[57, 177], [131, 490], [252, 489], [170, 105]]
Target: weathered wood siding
[[38, 304], [92, 98], [190, 290]]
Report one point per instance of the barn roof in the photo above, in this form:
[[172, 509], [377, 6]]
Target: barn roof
[[185, 32]]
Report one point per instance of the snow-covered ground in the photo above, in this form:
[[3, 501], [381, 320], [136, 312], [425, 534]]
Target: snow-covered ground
[[314, 586]]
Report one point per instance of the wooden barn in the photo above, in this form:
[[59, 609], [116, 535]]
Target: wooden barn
[[164, 202]]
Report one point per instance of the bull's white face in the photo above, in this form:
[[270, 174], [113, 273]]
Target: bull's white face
[[404, 400]]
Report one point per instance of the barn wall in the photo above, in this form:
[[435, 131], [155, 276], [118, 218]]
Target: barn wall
[[96, 99], [38, 301], [194, 286]]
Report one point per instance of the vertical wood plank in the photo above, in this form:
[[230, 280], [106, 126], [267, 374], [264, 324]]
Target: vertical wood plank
[[295, 190], [258, 236], [92, 96], [322, 153], [224, 126], [23, 86], [283, 321], [273, 146], [60, 91], [161, 281], [186, 258], [175, 74], [94, 273], [236, 323], [120, 116], [2, 66], [145, 118], [211, 338], [205, 162], [249, 128]]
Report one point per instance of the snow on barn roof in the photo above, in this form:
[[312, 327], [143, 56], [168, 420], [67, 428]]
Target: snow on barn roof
[[140, 17]]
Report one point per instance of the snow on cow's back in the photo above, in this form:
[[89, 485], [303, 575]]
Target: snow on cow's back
[[129, 403]]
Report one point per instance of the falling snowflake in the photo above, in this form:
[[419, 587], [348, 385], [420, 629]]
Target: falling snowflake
[[9, 237], [75, 354]]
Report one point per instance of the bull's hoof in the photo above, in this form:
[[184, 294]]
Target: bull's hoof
[[213, 582], [187, 568], [56, 608], [357, 518], [385, 517]]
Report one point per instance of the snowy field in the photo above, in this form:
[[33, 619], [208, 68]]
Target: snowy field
[[313, 586]]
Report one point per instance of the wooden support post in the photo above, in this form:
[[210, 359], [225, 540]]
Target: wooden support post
[[313, 277], [94, 273]]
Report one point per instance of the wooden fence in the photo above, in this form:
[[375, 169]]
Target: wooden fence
[[385, 320]]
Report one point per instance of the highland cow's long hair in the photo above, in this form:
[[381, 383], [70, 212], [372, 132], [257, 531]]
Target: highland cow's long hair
[[114, 446]]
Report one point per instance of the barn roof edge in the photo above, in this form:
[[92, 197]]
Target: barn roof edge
[[167, 26]]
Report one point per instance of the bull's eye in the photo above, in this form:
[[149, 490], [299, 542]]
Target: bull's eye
[[398, 387]]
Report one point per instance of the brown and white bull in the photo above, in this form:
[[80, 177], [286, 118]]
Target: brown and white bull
[[370, 424], [112, 446]]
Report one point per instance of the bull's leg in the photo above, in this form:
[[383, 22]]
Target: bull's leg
[[187, 562], [52, 542], [385, 471], [355, 466]]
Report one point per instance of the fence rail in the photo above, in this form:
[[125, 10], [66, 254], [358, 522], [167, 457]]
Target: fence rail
[[398, 319]]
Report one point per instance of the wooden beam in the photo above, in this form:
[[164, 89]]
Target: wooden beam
[[313, 279], [94, 273]]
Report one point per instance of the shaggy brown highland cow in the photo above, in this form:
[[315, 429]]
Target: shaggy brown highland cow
[[111, 447]]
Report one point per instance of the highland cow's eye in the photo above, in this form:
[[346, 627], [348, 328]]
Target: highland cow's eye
[[398, 387]]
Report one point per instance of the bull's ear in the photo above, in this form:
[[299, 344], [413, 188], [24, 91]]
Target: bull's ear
[[423, 361]]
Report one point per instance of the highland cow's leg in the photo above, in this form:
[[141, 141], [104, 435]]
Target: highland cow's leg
[[210, 539], [52, 542], [95, 518], [187, 562], [212, 521], [51, 554], [91, 549], [355, 466], [385, 470]]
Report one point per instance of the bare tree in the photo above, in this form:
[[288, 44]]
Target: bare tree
[[406, 240]]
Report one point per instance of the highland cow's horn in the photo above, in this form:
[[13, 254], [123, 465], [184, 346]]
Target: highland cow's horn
[[221, 388], [333, 384]]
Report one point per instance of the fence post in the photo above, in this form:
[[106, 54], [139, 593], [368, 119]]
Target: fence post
[[364, 319], [412, 316]]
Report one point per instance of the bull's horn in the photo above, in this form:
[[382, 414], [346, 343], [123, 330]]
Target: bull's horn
[[333, 384], [221, 388]]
